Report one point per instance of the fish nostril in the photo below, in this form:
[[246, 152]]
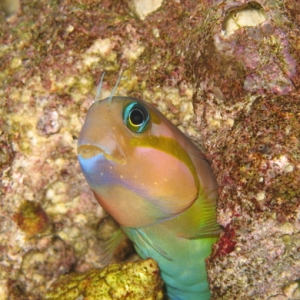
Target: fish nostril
[[88, 151]]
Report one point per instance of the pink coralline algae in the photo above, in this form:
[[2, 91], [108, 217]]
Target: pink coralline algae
[[249, 46], [226, 244], [259, 200]]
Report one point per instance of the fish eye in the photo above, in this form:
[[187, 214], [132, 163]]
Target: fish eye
[[136, 117]]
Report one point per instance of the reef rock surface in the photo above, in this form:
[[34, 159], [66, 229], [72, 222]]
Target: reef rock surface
[[225, 72]]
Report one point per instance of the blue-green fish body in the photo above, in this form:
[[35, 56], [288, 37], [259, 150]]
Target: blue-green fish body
[[157, 185], [181, 259]]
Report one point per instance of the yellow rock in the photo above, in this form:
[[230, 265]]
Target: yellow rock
[[132, 280]]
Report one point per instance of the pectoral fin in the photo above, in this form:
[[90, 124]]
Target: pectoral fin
[[206, 231], [108, 247], [143, 242]]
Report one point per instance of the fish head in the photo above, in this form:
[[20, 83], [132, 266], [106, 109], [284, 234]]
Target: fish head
[[136, 162]]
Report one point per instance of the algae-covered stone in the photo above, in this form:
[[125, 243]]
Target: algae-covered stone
[[132, 280], [31, 218]]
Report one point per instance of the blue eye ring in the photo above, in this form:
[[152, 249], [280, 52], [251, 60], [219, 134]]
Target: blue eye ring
[[136, 117]]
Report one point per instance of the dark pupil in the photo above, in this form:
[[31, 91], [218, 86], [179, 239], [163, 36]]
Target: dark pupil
[[136, 117]]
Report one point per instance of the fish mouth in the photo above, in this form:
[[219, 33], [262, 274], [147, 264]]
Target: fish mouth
[[90, 151]]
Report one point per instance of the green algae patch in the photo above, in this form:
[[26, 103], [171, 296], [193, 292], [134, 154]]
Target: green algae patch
[[132, 280]]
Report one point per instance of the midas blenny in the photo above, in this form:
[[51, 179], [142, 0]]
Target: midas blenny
[[157, 185]]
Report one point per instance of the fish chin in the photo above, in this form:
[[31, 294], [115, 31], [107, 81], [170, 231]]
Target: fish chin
[[96, 170]]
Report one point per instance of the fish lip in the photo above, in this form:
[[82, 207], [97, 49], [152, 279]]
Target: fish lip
[[88, 151]]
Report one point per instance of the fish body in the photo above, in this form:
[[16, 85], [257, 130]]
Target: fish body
[[157, 185]]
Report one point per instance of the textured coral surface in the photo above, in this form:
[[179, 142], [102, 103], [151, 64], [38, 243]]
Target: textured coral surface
[[132, 281], [225, 72]]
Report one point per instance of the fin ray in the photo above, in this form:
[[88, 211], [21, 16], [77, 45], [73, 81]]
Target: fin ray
[[108, 247]]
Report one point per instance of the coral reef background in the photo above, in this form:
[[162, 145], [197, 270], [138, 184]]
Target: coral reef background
[[225, 72]]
